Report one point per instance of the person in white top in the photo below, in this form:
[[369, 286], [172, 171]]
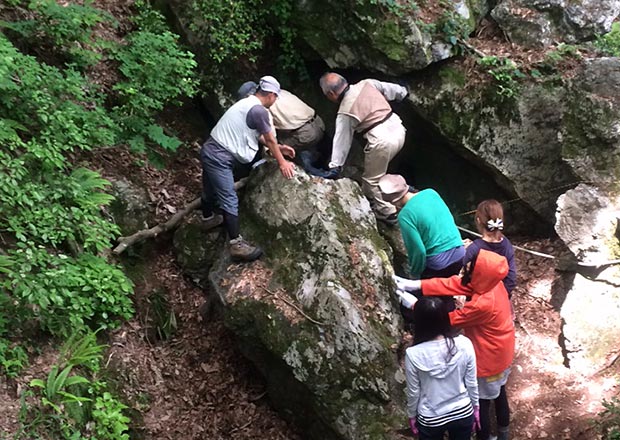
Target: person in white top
[[295, 122], [235, 139], [440, 367]]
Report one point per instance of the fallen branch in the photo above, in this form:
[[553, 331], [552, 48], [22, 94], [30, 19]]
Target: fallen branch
[[275, 295], [171, 223], [472, 48]]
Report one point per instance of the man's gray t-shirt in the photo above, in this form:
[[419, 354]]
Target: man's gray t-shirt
[[258, 119]]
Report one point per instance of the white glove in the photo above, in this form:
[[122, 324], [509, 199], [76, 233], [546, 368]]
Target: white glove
[[406, 284], [406, 299]]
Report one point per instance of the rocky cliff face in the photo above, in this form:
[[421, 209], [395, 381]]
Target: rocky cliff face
[[516, 138]]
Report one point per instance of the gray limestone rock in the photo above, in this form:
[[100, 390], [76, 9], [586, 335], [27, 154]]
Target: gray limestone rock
[[130, 209], [587, 221], [590, 131], [516, 139], [316, 314], [548, 137], [369, 36], [540, 23]]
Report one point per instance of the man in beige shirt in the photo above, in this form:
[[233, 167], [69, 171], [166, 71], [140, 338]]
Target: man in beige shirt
[[364, 109], [296, 123]]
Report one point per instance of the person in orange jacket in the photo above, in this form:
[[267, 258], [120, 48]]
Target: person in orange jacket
[[486, 320]]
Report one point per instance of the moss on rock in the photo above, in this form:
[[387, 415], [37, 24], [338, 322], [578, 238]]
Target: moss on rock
[[325, 255]]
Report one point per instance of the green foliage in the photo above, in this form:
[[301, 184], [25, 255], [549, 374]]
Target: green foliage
[[235, 32], [562, 52], [609, 43], [74, 406], [68, 28], [109, 421], [608, 420], [66, 293], [232, 29], [54, 389], [156, 72], [451, 25], [13, 358], [57, 110], [43, 116], [506, 74], [162, 318], [51, 209]]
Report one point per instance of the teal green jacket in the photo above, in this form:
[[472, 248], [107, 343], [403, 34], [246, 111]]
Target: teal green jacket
[[428, 228]]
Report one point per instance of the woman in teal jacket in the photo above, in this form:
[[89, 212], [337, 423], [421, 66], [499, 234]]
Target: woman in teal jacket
[[434, 245]]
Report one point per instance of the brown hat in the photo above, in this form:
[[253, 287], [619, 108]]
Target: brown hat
[[393, 187]]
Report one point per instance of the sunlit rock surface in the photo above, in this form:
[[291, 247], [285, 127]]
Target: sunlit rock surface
[[540, 23], [332, 369]]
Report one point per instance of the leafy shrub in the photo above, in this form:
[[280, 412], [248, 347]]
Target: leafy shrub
[[109, 421], [68, 294], [563, 51], [157, 72], [58, 109], [49, 208], [506, 74], [234, 33], [608, 420], [609, 43], [231, 29], [71, 405], [13, 358], [68, 28]]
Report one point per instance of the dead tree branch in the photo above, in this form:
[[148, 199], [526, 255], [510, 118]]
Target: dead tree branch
[[171, 223]]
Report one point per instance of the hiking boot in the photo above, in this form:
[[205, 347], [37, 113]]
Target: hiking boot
[[213, 221], [241, 250], [390, 219]]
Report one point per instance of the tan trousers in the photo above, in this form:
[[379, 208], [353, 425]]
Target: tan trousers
[[384, 142]]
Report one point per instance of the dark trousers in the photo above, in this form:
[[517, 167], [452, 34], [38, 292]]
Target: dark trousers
[[218, 185], [502, 412], [457, 430]]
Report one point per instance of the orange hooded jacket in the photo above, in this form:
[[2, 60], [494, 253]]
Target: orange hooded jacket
[[486, 319]]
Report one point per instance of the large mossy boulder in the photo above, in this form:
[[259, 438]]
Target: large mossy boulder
[[540, 23], [588, 216], [590, 134], [388, 37], [316, 314]]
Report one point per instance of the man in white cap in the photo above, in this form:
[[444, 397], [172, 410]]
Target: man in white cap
[[364, 109], [235, 138], [297, 123]]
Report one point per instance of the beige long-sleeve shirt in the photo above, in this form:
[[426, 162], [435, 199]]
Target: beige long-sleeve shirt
[[289, 112], [346, 124]]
